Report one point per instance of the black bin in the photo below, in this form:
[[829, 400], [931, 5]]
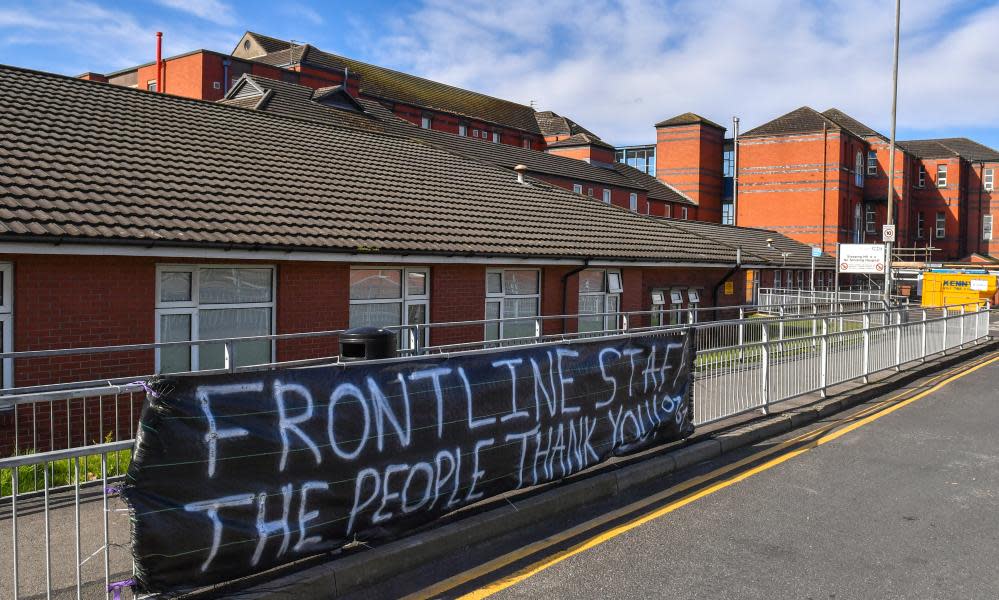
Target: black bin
[[367, 343]]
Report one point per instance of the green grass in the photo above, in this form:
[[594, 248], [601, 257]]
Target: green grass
[[31, 478]]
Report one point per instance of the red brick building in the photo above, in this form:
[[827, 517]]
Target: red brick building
[[821, 178], [494, 124]]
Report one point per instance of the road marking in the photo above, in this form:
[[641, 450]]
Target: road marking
[[814, 438]]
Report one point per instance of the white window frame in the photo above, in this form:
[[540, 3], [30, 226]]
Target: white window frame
[[633, 202], [7, 320], [426, 121], [872, 163], [920, 224], [527, 143], [987, 227], [611, 289], [942, 179], [683, 213], [801, 279], [607, 196], [589, 192], [463, 129], [496, 137], [577, 188], [192, 307], [858, 169], [989, 179], [776, 279], [152, 85], [405, 299], [940, 226], [921, 182], [501, 297], [870, 216]]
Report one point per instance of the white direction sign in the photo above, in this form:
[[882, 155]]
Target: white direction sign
[[888, 233], [861, 258]]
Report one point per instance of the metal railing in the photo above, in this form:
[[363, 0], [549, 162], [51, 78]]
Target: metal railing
[[790, 296], [67, 530]]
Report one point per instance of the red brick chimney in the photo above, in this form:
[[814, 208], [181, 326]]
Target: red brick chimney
[[689, 157]]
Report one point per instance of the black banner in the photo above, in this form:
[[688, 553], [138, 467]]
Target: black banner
[[234, 474]]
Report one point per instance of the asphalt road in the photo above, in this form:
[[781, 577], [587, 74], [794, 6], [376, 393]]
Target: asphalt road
[[906, 506]]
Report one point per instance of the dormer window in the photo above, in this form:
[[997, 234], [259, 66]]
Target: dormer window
[[337, 97]]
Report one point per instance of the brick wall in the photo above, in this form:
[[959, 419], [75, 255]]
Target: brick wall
[[689, 157]]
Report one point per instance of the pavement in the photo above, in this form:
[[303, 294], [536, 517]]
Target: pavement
[[903, 506]]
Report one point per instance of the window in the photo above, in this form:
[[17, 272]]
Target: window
[[869, 216], [922, 177], [578, 188], [426, 121], [987, 227], [669, 211], [391, 297], [777, 279], [6, 323], [858, 170], [527, 143], [589, 192], [599, 293], [941, 228], [513, 295], [607, 196], [872, 163], [683, 213], [728, 213], [633, 202], [789, 277], [496, 137], [941, 176], [642, 158], [801, 280], [213, 302], [151, 85], [676, 305], [475, 133], [989, 180], [728, 163], [463, 129], [920, 225]]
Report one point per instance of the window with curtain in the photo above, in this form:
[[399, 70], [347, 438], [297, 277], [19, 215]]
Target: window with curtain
[[513, 295], [391, 297], [6, 323], [213, 302], [599, 294]]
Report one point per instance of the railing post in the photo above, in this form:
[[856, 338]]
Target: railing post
[[867, 345], [742, 331], [824, 354], [945, 319], [690, 316], [962, 326], [537, 328], [765, 368], [624, 322], [780, 324], [922, 327], [898, 341], [229, 362]]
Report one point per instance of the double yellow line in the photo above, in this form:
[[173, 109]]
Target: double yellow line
[[785, 451]]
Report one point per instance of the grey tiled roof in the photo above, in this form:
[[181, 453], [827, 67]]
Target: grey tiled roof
[[850, 124], [758, 245], [800, 120], [553, 124], [81, 160], [396, 86], [294, 100], [580, 139], [688, 118], [949, 147]]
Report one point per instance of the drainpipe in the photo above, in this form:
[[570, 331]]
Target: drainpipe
[[159, 61], [825, 135], [565, 290], [729, 273], [735, 171], [225, 76], [981, 216]]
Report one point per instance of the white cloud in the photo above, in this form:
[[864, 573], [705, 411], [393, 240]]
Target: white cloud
[[84, 36], [297, 10], [618, 67], [215, 11]]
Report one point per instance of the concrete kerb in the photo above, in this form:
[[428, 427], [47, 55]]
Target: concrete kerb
[[356, 571]]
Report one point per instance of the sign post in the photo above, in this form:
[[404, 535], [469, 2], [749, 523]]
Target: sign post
[[816, 252], [888, 237]]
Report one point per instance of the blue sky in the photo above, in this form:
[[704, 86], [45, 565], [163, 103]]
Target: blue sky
[[615, 66]]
